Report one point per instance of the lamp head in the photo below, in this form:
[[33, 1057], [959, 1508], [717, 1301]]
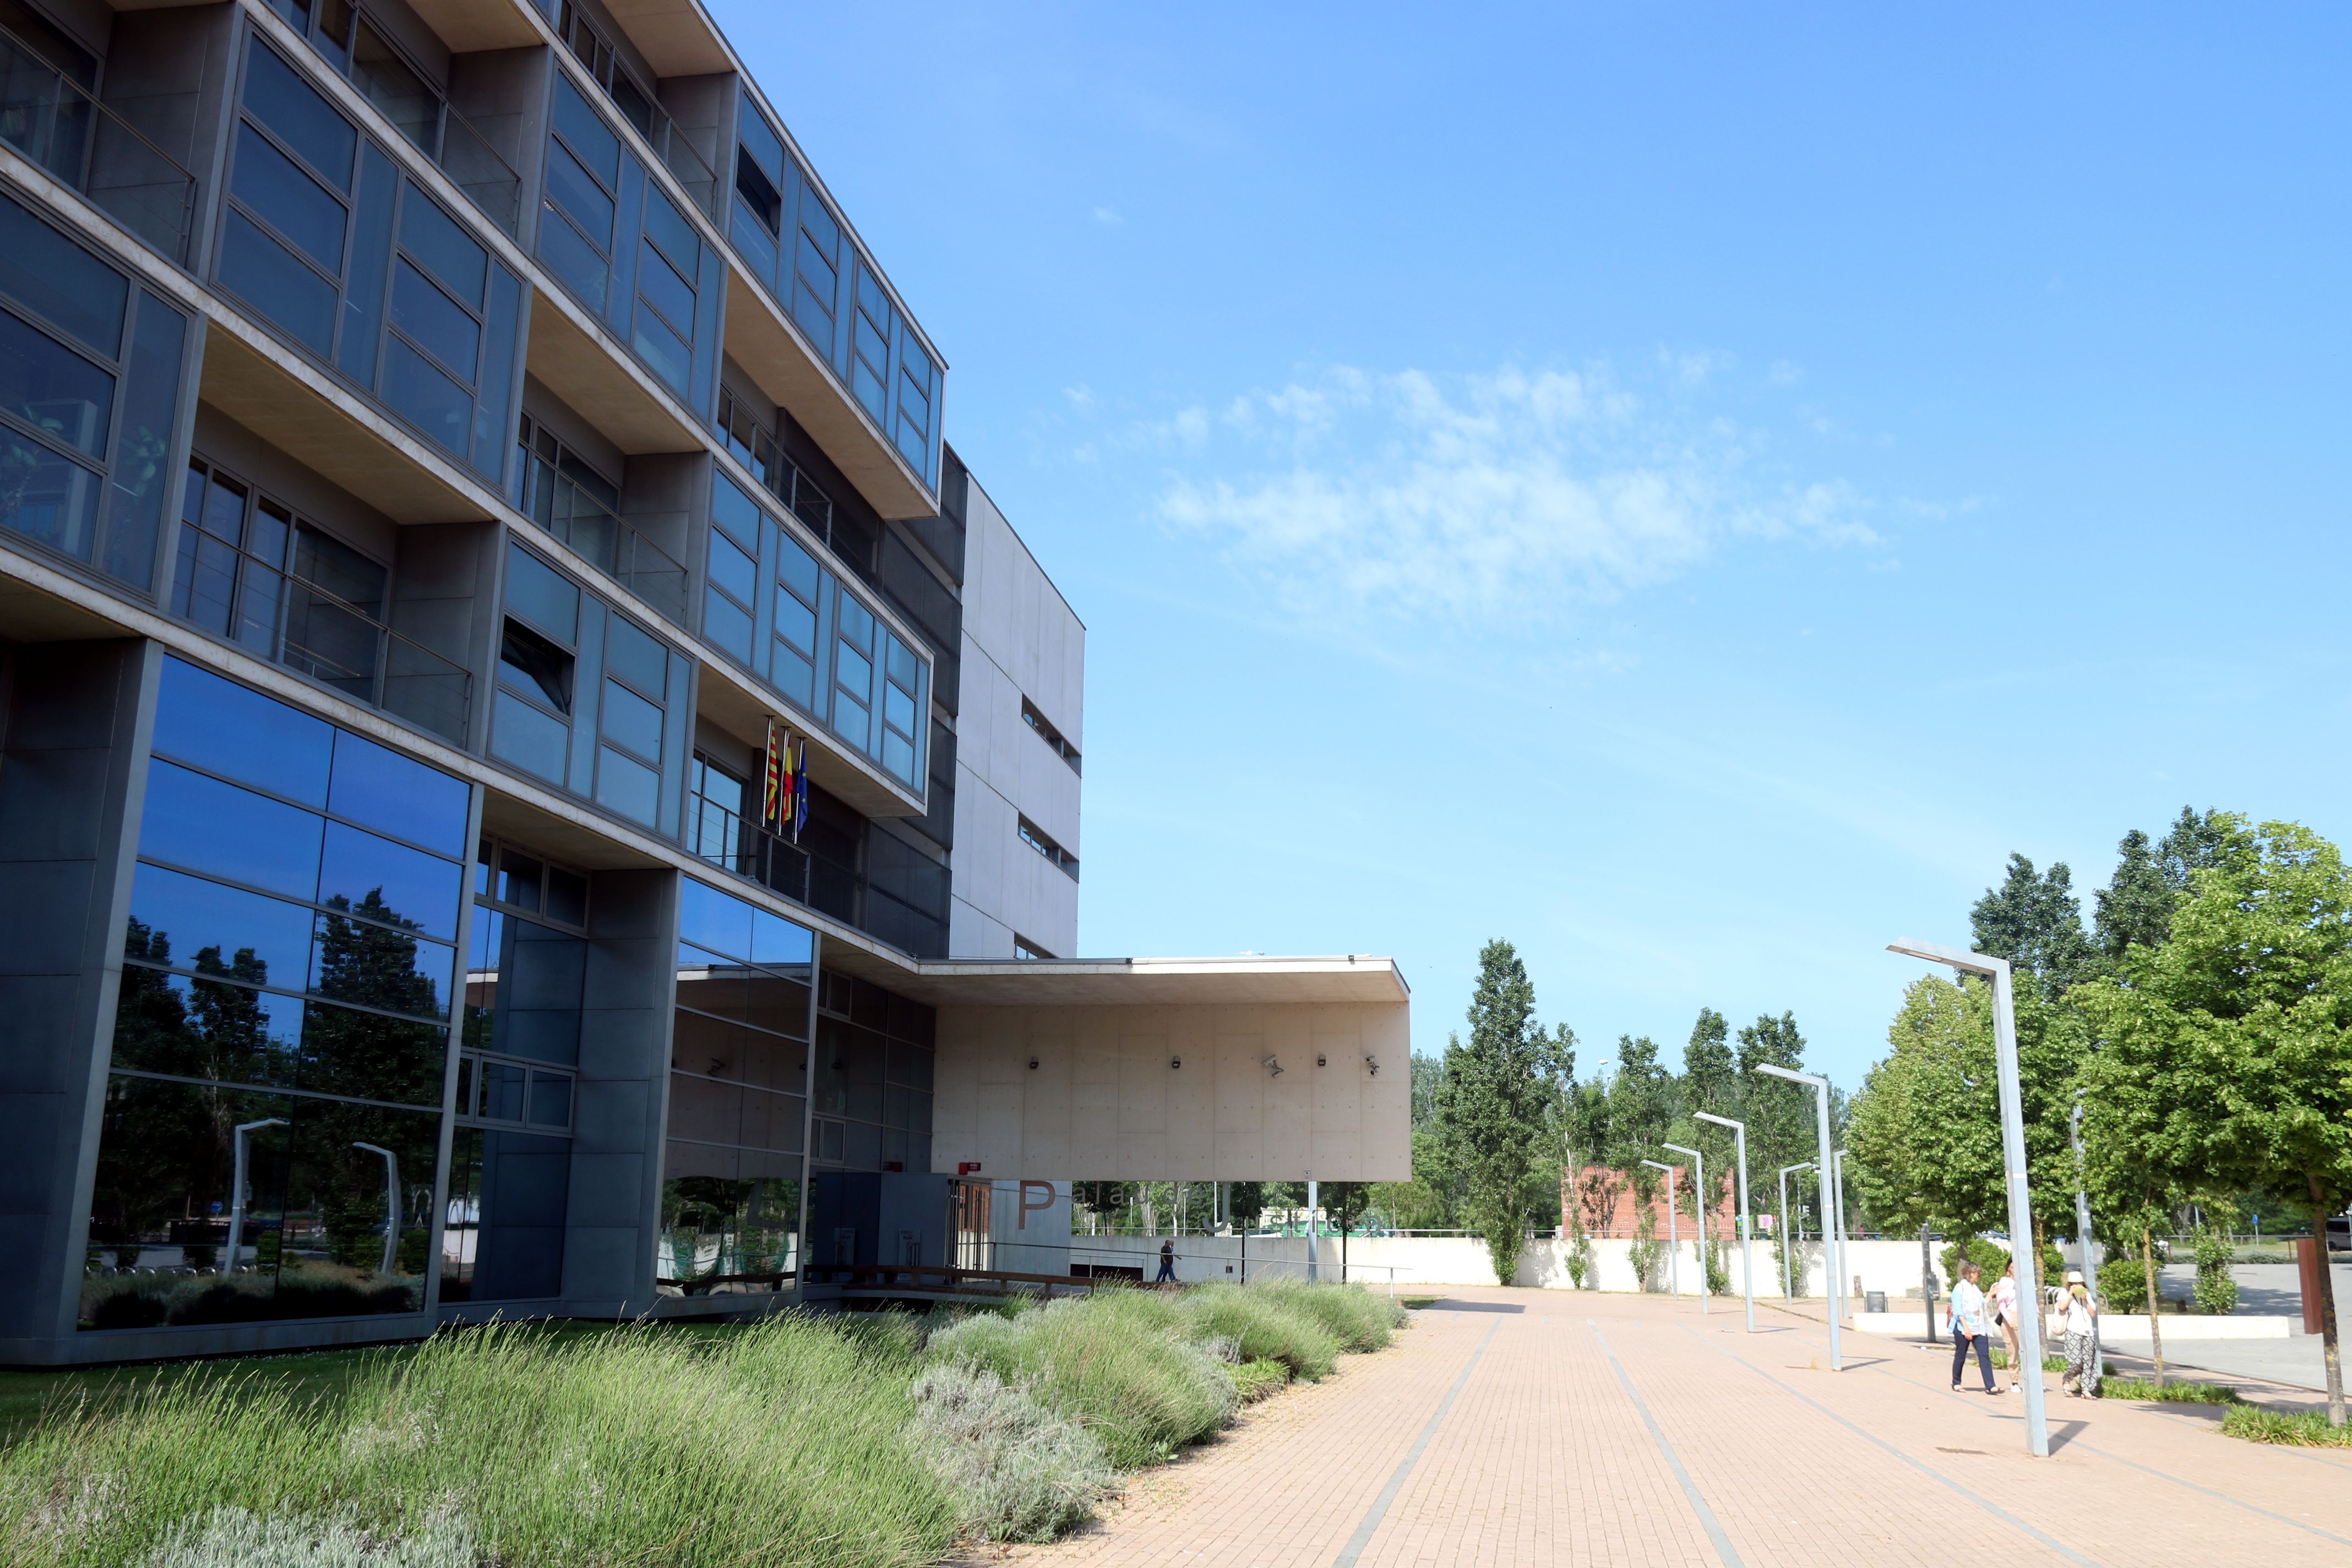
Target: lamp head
[[1718, 1120], [1793, 1076], [1680, 1150], [1934, 952]]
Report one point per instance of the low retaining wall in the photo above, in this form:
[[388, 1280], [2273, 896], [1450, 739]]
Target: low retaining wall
[[1416, 1261], [2113, 1326]]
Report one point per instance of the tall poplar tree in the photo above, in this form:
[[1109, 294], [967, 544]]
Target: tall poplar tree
[[1499, 1100], [2036, 921]]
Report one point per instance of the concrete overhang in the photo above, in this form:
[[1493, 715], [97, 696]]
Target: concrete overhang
[[1132, 982]]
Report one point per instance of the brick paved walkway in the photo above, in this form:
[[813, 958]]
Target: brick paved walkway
[[1528, 1426]]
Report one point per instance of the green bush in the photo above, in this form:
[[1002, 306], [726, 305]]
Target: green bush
[[1263, 1324], [777, 1444], [1253, 1379], [1018, 1471], [1992, 1259], [2172, 1393], [2308, 1427], [2123, 1286], [1119, 1362], [1358, 1320], [233, 1538], [2217, 1292]]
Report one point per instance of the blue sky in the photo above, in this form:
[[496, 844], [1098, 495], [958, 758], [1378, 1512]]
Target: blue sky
[[1688, 489]]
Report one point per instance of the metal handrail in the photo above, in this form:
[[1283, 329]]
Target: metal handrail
[[724, 837], [466, 172], [50, 128], [607, 539]]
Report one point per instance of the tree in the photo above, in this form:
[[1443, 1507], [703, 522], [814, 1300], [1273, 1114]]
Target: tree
[[1710, 1083], [2036, 922], [1497, 1102], [1779, 1114], [2136, 906], [2227, 1052]]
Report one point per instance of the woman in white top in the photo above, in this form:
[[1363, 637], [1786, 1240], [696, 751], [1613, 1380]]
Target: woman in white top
[[2082, 1347], [2003, 1296]]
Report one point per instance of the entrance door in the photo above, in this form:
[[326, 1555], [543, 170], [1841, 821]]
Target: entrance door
[[970, 1208]]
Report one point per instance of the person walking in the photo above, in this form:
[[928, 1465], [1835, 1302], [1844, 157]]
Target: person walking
[[2004, 1315], [2081, 1341], [1968, 1327], [1166, 1275]]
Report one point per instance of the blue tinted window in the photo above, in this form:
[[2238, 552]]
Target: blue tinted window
[[665, 352], [708, 918], [150, 409], [268, 277], [637, 656], [371, 265], [58, 281], [47, 498], [852, 722], [425, 395], [354, 962], [856, 624], [779, 942], [732, 570], [386, 790], [796, 569], [448, 252], [796, 624], [293, 203], [868, 387], [899, 709], [529, 739], [196, 821], [597, 146], [899, 755], [570, 259], [495, 381], [204, 1029], [668, 228], [368, 1057], [300, 116], [736, 513], [854, 672], [234, 730], [767, 152], [174, 919], [794, 676], [632, 720], [726, 625], [672, 295], [435, 321], [540, 595], [627, 787], [569, 183], [389, 881], [903, 669], [53, 388]]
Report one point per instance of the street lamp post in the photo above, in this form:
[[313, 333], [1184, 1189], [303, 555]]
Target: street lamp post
[[1747, 1225], [1846, 1280], [1674, 1242], [391, 1201], [2083, 1220], [1701, 1160], [2013, 1151], [1788, 1286], [1821, 1088]]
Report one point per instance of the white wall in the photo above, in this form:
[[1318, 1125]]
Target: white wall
[[1020, 638]]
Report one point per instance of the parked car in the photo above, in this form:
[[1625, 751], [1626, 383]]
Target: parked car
[[2339, 1233]]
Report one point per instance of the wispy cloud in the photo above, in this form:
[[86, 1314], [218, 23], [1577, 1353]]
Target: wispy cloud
[[1495, 498]]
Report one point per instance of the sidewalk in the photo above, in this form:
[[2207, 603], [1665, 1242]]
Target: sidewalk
[[1526, 1427]]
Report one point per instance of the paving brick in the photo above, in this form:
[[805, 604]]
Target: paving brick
[[1544, 1456]]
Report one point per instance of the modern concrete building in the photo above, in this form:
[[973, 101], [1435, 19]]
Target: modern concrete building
[[441, 441]]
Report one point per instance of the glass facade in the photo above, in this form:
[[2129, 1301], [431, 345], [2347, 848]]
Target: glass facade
[[589, 700], [872, 1087], [327, 240], [281, 1045], [627, 252], [738, 1098], [795, 625], [511, 1159], [89, 400], [790, 240]]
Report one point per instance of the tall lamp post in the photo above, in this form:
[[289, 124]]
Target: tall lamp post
[[238, 1138], [1747, 1225], [1674, 1244], [1788, 1286], [2013, 1151], [1846, 1280], [1821, 1088], [1701, 1189]]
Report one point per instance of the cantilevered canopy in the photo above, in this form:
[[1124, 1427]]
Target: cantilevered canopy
[[1173, 1069]]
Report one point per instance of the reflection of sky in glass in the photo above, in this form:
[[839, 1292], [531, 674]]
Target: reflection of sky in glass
[[417, 887], [207, 825], [194, 914], [710, 918], [238, 733], [386, 790]]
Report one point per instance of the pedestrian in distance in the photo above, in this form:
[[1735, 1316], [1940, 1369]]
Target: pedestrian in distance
[[1166, 1275], [2004, 1316], [2082, 1344], [1970, 1328]]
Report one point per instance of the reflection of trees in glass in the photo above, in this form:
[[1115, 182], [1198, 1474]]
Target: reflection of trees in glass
[[362, 1053], [370, 964], [715, 1230]]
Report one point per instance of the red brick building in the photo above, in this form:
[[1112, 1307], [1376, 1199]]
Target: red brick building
[[1606, 1200]]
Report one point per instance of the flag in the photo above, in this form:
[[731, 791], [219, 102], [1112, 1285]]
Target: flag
[[773, 801], [800, 793]]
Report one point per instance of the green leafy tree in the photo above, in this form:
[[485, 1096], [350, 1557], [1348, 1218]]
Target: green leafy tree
[[2136, 906], [2036, 921], [1497, 1100], [2231, 1046]]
